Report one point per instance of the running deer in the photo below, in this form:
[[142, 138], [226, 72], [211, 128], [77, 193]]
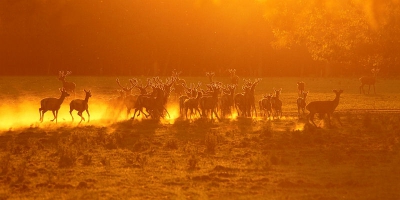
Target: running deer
[[52, 104], [322, 107], [179, 84], [234, 78], [80, 105], [301, 103], [369, 80], [129, 100], [68, 86], [192, 104]]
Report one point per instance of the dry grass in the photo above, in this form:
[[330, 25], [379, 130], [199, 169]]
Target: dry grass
[[241, 158]]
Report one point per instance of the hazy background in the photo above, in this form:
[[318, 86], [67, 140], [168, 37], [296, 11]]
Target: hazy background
[[152, 37]]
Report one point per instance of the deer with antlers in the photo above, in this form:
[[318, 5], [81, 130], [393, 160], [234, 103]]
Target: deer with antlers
[[192, 104], [232, 75], [68, 86], [156, 101], [301, 103], [179, 84], [227, 100], [265, 105], [80, 105], [129, 99], [52, 104], [369, 80], [210, 76], [240, 101], [209, 103], [190, 93], [324, 107]]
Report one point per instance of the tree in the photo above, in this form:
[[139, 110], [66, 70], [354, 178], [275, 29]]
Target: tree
[[362, 33]]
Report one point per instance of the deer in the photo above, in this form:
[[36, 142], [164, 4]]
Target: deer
[[210, 102], [192, 104], [240, 101], [300, 87], [227, 100], [210, 76], [68, 86], [265, 105], [234, 78], [154, 103], [129, 99], [369, 80], [80, 105], [250, 99], [190, 93], [301, 103], [179, 84], [322, 107], [276, 104], [52, 104]]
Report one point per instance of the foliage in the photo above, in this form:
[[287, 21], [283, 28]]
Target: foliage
[[357, 32]]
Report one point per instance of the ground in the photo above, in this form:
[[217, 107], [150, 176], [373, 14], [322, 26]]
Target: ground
[[238, 158]]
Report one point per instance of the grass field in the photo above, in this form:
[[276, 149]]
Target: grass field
[[201, 159]]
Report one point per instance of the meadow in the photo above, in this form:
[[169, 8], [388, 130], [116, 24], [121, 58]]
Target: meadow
[[238, 158]]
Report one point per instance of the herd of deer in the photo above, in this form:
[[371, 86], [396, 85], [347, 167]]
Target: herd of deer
[[195, 101]]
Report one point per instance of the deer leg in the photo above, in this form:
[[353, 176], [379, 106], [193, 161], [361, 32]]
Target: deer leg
[[87, 111], [80, 114], [369, 88], [216, 115], [70, 112], [54, 115], [329, 119], [169, 116], [40, 115], [311, 117]]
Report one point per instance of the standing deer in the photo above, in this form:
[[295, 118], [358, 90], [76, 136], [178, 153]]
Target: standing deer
[[68, 86], [276, 104], [369, 80], [227, 100], [209, 103], [80, 105], [300, 87], [52, 104], [234, 78], [265, 105], [301, 103], [322, 107], [210, 76]]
